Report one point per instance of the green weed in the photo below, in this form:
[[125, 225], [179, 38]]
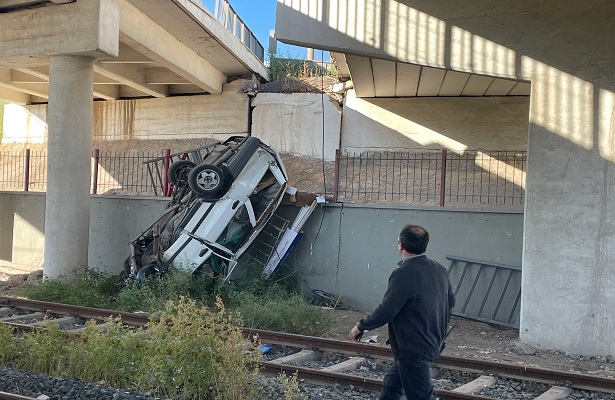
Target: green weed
[[287, 66], [284, 313], [194, 352], [291, 387], [275, 304], [111, 354], [83, 286], [8, 348], [43, 351], [186, 352]]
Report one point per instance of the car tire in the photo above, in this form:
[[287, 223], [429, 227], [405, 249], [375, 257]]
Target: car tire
[[178, 172], [150, 271], [208, 181]]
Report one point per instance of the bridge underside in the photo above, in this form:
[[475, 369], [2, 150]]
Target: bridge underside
[[140, 48], [68, 53]]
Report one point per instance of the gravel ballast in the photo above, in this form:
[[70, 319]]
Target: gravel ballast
[[45, 387]]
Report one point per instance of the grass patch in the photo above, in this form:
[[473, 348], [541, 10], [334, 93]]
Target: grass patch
[[83, 286], [276, 304], [187, 352], [287, 66], [192, 348], [8, 347]]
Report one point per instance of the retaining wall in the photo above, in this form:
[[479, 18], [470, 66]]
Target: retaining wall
[[348, 250]]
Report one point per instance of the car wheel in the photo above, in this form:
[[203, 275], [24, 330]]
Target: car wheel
[[207, 181], [178, 172], [150, 271]]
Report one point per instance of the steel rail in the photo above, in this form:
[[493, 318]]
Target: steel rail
[[12, 396], [505, 370], [535, 374], [319, 376], [83, 312]]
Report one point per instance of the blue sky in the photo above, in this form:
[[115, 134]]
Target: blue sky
[[259, 15]]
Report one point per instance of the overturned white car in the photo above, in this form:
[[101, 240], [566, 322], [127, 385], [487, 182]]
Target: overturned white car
[[217, 209]]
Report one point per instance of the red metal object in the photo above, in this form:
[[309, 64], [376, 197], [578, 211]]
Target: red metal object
[[95, 172], [167, 162], [443, 178], [26, 168]]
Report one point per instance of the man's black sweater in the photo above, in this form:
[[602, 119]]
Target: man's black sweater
[[416, 307]]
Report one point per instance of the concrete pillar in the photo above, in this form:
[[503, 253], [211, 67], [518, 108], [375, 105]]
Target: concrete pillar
[[67, 211]]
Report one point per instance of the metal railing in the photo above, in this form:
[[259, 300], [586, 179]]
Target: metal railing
[[431, 177], [486, 291], [227, 16], [492, 179], [112, 172]]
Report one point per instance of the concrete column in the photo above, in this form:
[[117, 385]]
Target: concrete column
[[67, 211]]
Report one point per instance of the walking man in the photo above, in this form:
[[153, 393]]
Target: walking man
[[416, 307]]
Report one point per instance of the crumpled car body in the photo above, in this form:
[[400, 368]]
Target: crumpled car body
[[217, 209]]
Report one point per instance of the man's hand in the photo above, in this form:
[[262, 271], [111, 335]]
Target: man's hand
[[354, 333]]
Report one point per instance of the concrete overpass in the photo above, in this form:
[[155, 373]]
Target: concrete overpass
[[556, 51], [71, 52]]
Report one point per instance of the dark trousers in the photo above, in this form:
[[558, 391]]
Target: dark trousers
[[409, 377]]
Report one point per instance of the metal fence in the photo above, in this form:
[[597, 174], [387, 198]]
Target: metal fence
[[441, 177], [112, 172], [434, 177]]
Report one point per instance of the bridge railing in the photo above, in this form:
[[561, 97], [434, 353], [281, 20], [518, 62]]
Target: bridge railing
[[227, 16]]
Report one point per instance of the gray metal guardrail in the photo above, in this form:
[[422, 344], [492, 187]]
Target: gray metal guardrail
[[486, 291]]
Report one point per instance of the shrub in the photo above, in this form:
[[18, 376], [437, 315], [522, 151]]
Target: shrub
[[111, 354], [8, 348], [152, 295], [43, 351], [291, 387], [287, 66], [275, 304], [187, 352], [83, 286], [282, 312], [194, 353]]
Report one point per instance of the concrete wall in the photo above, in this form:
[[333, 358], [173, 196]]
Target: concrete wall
[[568, 298], [114, 222], [455, 123], [355, 250], [294, 123], [22, 227], [185, 117], [23, 125], [352, 254]]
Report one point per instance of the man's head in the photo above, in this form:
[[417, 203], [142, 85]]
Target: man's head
[[413, 239]]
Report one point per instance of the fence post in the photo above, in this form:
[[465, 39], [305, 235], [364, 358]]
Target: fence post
[[167, 161], [443, 178], [336, 175], [95, 172], [26, 168]]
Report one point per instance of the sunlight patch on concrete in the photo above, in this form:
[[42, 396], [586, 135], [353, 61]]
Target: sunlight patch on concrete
[[22, 126], [606, 139], [500, 168], [561, 103], [410, 129]]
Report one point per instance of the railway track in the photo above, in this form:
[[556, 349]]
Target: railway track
[[12, 396], [329, 361]]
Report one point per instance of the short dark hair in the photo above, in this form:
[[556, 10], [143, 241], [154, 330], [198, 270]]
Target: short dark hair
[[414, 239]]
